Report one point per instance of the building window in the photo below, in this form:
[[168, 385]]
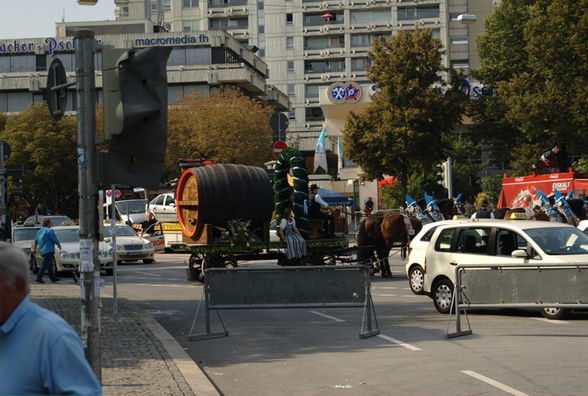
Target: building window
[[291, 115], [311, 91], [460, 64], [289, 18], [323, 42], [41, 62], [261, 29], [291, 89], [260, 5], [459, 40], [363, 17], [289, 42], [166, 5], [453, 16], [229, 23], [324, 66], [290, 66], [190, 26], [317, 20], [124, 11], [261, 53], [314, 114], [360, 64], [412, 13], [189, 3], [360, 40], [436, 33]]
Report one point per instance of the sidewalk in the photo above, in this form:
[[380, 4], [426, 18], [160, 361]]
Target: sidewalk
[[138, 356]]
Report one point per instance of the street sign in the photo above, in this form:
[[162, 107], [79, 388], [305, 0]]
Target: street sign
[[278, 147], [279, 123], [116, 193], [56, 89], [6, 149]]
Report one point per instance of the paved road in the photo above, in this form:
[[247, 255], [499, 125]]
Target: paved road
[[309, 352]]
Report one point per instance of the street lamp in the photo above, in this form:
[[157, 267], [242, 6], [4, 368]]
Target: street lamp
[[464, 18]]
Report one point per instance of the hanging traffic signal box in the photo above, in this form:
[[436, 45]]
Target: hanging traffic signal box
[[135, 116]]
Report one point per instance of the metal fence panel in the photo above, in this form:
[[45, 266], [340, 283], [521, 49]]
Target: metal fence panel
[[528, 285], [287, 287]]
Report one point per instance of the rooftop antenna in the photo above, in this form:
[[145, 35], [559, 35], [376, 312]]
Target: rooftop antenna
[[63, 16]]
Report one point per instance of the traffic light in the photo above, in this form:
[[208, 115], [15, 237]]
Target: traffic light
[[442, 174], [135, 116]]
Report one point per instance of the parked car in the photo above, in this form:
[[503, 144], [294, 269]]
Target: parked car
[[67, 259], [163, 208], [23, 237], [490, 242], [129, 245], [130, 211], [56, 220]]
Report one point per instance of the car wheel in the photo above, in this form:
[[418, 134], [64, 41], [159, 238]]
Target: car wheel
[[148, 261], [416, 278], [555, 313], [442, 293]]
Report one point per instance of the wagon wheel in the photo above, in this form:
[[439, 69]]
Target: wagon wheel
[[195, 263]]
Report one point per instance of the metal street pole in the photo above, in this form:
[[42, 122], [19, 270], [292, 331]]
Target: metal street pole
[[3, 192], [88, 198], [449, 179]]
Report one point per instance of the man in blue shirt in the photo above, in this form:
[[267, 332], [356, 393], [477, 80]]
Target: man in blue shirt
[[46, 241], [40, 354]]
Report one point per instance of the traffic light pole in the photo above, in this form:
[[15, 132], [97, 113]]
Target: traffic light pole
[[88, 198]]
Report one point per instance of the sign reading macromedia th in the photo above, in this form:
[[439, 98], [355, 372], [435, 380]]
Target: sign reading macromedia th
[[349, 92], [68, 44]]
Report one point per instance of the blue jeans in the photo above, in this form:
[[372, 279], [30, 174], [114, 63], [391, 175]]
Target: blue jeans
[[47, 265]]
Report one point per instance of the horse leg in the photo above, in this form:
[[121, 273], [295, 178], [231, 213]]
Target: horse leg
[[383, 253]]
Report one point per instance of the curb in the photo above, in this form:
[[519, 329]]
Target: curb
[[192, 373]]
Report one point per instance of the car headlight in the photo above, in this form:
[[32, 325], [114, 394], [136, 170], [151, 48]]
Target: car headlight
[[148, 245], [69, 256]]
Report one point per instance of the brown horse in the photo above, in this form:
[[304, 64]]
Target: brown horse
[[382, 231]]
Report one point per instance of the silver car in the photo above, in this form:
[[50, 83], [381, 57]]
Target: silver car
[[129, 245]]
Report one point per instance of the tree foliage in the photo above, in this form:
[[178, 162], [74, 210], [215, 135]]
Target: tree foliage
[[535, 56], [48, 149], [226, 126], [400, 133]]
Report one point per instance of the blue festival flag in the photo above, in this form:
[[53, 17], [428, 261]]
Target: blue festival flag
[[542, 197], [409, 200], [458, 198], [339, 156], [320, 153]]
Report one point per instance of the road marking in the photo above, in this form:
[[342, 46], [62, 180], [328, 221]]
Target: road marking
[[327, 316], [387, 287], [552, 321], [162, 285], [396, 295], [399, 343], [147, 273], [494, 383]]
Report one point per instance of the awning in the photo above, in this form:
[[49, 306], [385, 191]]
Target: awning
[[334, 198]]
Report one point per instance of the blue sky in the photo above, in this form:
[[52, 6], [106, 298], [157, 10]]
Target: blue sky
[[37, 18]]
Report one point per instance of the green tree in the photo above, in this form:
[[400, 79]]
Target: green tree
[[401, 131], [2, 121], [535, 57], [226, 126], [48, 148], [491, 186]]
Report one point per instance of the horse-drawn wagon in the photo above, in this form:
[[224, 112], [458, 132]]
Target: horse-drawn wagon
[[225, 210]]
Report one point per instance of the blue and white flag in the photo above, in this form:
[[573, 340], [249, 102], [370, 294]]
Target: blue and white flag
[[320, 154], [339, 156]]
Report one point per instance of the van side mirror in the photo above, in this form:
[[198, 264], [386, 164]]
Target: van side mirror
[[519, 253]]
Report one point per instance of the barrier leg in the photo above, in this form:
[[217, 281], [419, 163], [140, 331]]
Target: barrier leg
[[368, 309], [208, 334], [455, 298]]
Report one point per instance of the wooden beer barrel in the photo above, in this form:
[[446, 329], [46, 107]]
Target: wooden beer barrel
[[218, 193]]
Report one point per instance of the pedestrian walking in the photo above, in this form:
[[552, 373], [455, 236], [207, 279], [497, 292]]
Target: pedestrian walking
[[46, 240], [483, 213], [40, 354], [368, 206]]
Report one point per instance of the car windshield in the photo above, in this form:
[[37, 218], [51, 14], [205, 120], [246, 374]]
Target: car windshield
[[24, 234], [560, 240], [68, 235], [120, 231], [55, 221], [132, 206]]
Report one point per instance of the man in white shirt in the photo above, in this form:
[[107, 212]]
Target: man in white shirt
[[319, 209]]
